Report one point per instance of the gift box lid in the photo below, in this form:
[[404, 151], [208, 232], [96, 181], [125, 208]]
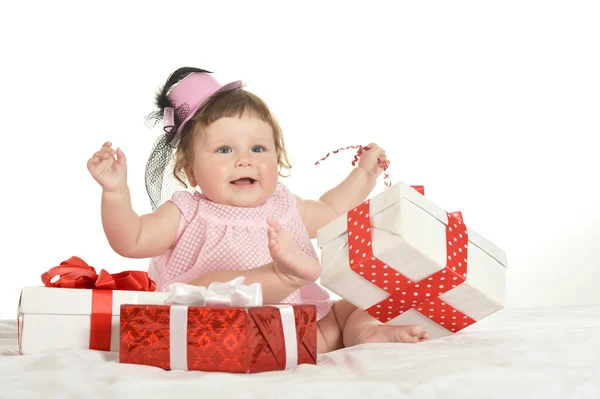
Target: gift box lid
[[403, 192], [77, 301]]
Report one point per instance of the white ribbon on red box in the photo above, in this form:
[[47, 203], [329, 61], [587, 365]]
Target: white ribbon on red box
[[232, 293]]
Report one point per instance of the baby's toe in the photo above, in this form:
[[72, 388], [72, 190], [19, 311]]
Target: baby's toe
[[273, 223], [275, 251], [273, 233], [415, 331], [411, 334]]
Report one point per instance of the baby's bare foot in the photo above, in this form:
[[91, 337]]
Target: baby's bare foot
[[289, 261], [391, 333]]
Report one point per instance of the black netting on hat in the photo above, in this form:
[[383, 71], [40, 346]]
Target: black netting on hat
[[160, 181]]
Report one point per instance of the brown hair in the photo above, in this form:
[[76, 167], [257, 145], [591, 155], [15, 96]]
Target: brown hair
[[229, 103]]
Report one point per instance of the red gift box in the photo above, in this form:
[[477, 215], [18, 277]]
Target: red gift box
[[219, 338]]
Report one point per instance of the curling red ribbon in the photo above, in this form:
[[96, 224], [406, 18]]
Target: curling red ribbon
[[75, 273], [361, 148], [423, 295]]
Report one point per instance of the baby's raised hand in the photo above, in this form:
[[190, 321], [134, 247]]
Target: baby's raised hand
[[109, 172], [371, 159]]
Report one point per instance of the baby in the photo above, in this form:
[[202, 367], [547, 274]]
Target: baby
[[242, 221]]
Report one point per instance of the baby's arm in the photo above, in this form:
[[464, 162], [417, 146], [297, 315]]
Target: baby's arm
[[134, 236], [348, 194], [128, 234], [149, 235], [340, 199]]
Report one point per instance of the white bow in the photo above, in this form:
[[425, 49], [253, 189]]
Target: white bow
[[232, 293]]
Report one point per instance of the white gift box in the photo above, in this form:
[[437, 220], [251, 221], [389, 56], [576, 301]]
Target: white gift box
[[404, 260], [60, 318]]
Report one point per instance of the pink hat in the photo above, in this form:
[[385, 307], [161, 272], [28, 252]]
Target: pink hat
[[191, 93]]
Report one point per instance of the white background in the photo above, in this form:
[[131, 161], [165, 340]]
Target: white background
[[493, 106]]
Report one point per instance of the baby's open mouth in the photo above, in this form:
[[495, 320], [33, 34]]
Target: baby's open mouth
[[244, 181]]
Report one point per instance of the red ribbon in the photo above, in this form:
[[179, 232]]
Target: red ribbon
[[423, 295], [75, 273], [381, 163]]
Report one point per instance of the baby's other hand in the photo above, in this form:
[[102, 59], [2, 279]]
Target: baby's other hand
[[370, 157], [109, 172]]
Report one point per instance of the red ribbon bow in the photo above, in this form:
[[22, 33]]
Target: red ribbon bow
[[75, 273]]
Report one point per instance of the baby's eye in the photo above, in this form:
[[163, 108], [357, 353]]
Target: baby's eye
[[258, 148], [224, 150]]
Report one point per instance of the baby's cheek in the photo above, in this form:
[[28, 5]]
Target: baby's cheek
[[210, 176], [269, 171], [212, 170]]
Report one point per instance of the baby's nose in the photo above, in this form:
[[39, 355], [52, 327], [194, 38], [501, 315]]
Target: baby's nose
[[244, 160]]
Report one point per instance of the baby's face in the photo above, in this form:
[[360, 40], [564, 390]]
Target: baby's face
[[235, 162]]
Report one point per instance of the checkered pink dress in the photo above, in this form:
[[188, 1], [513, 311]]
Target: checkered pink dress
[[215, 237]]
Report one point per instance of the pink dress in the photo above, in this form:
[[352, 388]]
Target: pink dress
[[215, 237]]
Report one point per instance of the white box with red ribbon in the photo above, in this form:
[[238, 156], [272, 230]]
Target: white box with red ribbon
[[404, 260], [80, 310]]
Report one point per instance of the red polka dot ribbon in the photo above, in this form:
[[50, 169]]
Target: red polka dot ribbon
[[423, 295], [383, 164]]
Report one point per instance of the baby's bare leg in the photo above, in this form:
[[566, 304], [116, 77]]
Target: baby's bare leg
[[346, 325], [330, 328]]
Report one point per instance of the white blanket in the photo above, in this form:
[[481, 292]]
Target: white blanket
[[537, 353]]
